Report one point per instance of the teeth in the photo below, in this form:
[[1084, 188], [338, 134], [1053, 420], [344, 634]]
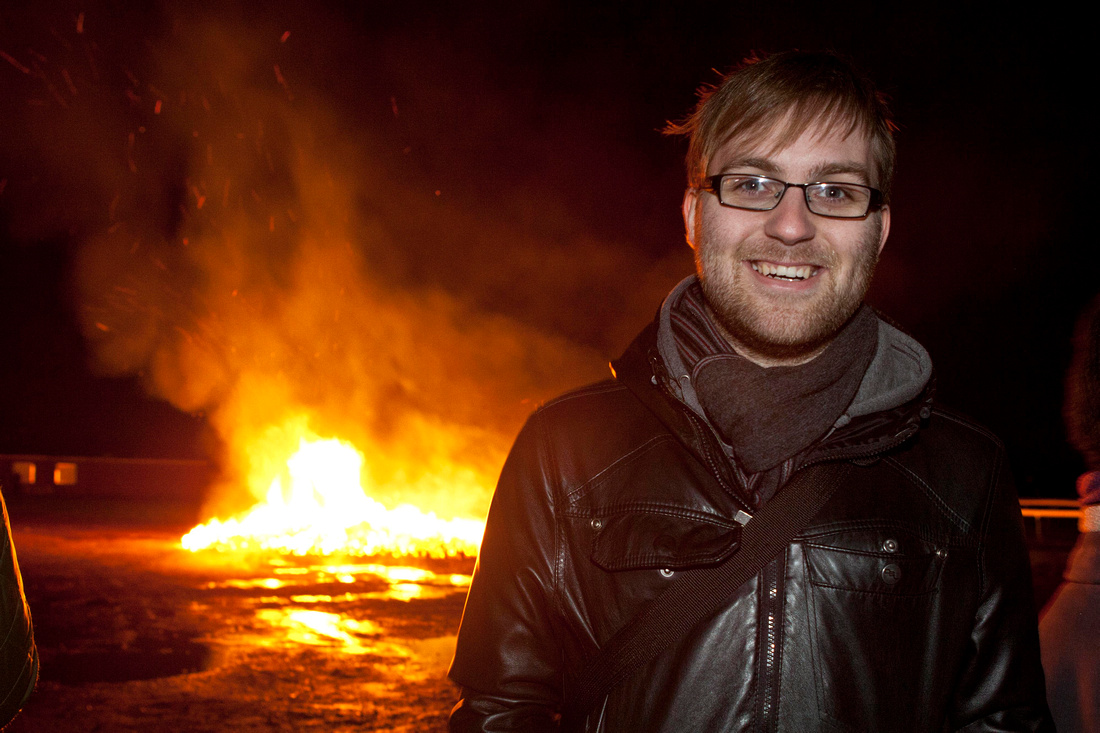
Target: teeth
[[785, 272]]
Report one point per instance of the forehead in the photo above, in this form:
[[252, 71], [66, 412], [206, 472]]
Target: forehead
[[818, 149]]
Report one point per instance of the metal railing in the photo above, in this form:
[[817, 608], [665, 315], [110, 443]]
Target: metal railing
[[1040, 509]]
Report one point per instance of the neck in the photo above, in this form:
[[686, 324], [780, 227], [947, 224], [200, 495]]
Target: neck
[[771, 360]]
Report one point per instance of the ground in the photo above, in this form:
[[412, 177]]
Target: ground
[[137, 634]]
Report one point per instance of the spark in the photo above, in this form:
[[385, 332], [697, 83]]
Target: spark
[[14, 63], [69, 81], [282, 82]]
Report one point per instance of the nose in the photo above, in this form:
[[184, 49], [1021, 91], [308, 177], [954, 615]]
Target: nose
[[791, 221]]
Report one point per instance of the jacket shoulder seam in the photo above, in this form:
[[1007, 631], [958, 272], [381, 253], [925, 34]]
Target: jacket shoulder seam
[[598, 388], [966, 423], [624, 460], [929, 491]]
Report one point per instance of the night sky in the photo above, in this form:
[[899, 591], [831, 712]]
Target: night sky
[[506, 162]]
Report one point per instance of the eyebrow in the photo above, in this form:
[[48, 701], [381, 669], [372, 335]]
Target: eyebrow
[[832, 169], [816, 174], [762, 164]]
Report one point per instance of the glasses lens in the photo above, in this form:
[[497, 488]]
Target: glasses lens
[[838, 199], [750, 192]]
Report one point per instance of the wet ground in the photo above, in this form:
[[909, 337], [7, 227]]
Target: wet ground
[[136, 634]]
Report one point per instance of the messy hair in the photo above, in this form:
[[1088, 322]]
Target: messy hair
[[799, 89], [1082, 406]]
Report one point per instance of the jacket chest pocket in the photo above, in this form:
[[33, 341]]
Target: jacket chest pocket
[[633, 540], [888, 573], [626, 556], [874, 598]]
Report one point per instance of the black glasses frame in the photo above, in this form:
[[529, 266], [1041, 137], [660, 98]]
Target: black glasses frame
[[714, 185]]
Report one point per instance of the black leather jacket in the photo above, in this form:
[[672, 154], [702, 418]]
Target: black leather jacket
[[609, 486]]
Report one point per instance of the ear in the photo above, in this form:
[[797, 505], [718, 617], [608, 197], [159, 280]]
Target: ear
[[884, 215], [691, 200]]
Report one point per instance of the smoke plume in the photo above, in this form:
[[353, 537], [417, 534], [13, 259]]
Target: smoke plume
[[279, 246]]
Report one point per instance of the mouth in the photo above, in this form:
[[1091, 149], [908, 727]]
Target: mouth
[[788, 273]]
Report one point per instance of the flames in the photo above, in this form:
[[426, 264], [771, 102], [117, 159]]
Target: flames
[[317, 506], [255, 255]]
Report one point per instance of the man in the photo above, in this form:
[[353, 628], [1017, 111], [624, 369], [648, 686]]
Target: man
[[903, 604]]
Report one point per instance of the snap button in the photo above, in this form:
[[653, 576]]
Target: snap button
[[891, 574], [941, 553], [667, 572], [890, 545], [596, 523]]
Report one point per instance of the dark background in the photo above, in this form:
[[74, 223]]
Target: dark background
[[559, 205]]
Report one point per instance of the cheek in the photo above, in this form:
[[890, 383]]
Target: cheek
[[718, 231], [857, 252]]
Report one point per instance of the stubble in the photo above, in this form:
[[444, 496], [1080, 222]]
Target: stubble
[[782, 327]]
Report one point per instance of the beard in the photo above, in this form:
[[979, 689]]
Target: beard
[[783, 326]]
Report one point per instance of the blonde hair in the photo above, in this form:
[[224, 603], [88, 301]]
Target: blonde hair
[[799, 89]]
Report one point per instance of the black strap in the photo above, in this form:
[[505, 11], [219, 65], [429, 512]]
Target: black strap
[[701, 593]]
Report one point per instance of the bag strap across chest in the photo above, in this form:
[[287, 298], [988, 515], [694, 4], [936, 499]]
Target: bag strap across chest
[[701, 593]]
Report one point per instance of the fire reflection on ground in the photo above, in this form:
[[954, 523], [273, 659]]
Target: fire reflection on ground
[[135, 632], [327, 619], [320, 628], [403, 582]]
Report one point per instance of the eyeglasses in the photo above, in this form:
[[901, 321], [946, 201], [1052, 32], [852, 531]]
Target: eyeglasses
[[824, 198]]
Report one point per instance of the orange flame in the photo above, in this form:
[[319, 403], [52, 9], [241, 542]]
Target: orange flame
[[317, 506]]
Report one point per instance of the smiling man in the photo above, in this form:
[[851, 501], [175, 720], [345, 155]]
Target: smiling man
[[763, 522], [782, 285]]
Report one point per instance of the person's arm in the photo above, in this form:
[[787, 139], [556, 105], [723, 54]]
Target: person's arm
[[508, 660], [18, 654], [1001, 687]]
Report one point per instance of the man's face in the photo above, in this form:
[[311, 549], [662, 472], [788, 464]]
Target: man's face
[[783, 316]]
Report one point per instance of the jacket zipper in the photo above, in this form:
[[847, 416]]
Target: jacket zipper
[[770, 620], [769, 642]]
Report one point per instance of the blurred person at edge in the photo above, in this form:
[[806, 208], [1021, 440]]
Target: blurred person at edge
[[904, 604], [18, 654], [1069, 627]]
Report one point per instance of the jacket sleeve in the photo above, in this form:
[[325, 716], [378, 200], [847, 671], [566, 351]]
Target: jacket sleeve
[[508, 659], [18, 654], [1001, 687]]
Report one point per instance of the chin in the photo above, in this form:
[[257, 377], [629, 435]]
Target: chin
[[783, 334], [785, 344]]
